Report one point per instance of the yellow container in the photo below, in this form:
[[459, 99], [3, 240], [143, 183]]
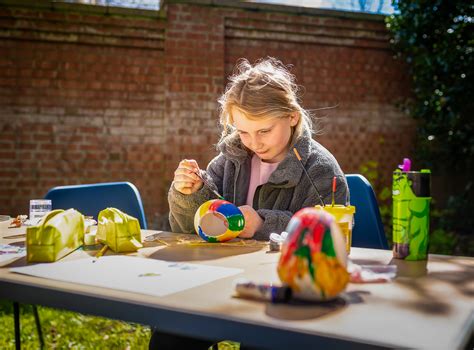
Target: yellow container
[[344, 216]]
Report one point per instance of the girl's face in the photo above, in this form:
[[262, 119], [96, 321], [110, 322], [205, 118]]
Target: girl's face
[[268, 138]]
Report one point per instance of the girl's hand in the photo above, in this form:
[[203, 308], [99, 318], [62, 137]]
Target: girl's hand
[[253, 221], [185, 179]]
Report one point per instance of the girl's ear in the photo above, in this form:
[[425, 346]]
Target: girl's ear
[[294, 118]]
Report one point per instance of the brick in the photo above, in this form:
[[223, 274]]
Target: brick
[[133, 107]]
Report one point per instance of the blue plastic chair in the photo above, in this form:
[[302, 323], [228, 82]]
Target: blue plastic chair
[[90, 199], [368, 230]]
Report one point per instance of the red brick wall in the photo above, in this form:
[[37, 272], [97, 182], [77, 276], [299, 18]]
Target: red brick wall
[[340, 63], [91, 97], [194, 57], [82, 101]]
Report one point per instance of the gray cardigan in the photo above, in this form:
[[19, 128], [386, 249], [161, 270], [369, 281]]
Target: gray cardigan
[[287, 190]]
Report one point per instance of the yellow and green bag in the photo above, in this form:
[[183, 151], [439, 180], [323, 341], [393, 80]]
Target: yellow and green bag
[[119, 231], [57, 234]]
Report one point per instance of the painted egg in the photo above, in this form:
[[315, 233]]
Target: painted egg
[[218, 220], [313, 258]]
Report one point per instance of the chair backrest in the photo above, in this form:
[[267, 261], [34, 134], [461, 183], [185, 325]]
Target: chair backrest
[[90, 199], [368, 230]]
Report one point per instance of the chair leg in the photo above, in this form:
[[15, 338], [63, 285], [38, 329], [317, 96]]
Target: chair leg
[[38, 327], [16, 318]]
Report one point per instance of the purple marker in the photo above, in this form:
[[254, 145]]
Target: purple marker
[[275, 294], [406, 166]]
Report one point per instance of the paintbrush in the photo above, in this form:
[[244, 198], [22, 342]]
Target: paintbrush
[[198, 173], [101, 251], [333, 191], [307, 175]]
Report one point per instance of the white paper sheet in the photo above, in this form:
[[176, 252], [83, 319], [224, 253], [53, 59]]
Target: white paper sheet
[[6, 259], [10, 253], [133, 274]]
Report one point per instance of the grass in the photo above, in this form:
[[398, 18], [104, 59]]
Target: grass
[[70, 330]]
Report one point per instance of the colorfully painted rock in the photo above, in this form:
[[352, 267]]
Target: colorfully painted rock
[[313, 259], [218, 221]]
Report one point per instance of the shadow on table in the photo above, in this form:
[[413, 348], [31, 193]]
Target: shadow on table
[[306, 310], [16, 263], [365, 261], [460, 279], [192, 253], [410, 268], [418, 275], [300, 310]]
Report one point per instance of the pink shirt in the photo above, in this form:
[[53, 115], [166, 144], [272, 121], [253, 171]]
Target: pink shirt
[[259, 175]]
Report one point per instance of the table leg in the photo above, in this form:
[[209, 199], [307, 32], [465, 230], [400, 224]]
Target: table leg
[[16, 318], [38, 326]]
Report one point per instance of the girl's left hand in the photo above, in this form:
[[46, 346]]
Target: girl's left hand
[[253, 221]]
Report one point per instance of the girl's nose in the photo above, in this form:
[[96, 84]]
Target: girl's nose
[[256, 144]]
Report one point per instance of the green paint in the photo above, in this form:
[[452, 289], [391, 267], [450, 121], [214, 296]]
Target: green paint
[[149, 274], [328, 246], [236, 222], [304, 252]]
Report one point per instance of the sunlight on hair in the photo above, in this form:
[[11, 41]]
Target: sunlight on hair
[[266, 89]]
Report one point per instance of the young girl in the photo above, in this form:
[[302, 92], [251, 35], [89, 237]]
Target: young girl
[[257, 168]]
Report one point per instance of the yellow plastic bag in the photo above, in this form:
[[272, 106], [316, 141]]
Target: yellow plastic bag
[[119, 231], [57, 234]]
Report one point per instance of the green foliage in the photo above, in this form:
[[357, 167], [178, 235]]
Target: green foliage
[[452, 226], [69, 330], [444, 234], [370, 170], [442, 242], [435, 39], [227, 345]]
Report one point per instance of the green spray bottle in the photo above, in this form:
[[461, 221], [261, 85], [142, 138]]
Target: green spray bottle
[[411, 196]]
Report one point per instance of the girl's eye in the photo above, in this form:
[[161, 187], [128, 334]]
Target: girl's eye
[[264, 131]]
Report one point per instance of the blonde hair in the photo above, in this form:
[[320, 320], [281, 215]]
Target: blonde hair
[[263, 90]]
